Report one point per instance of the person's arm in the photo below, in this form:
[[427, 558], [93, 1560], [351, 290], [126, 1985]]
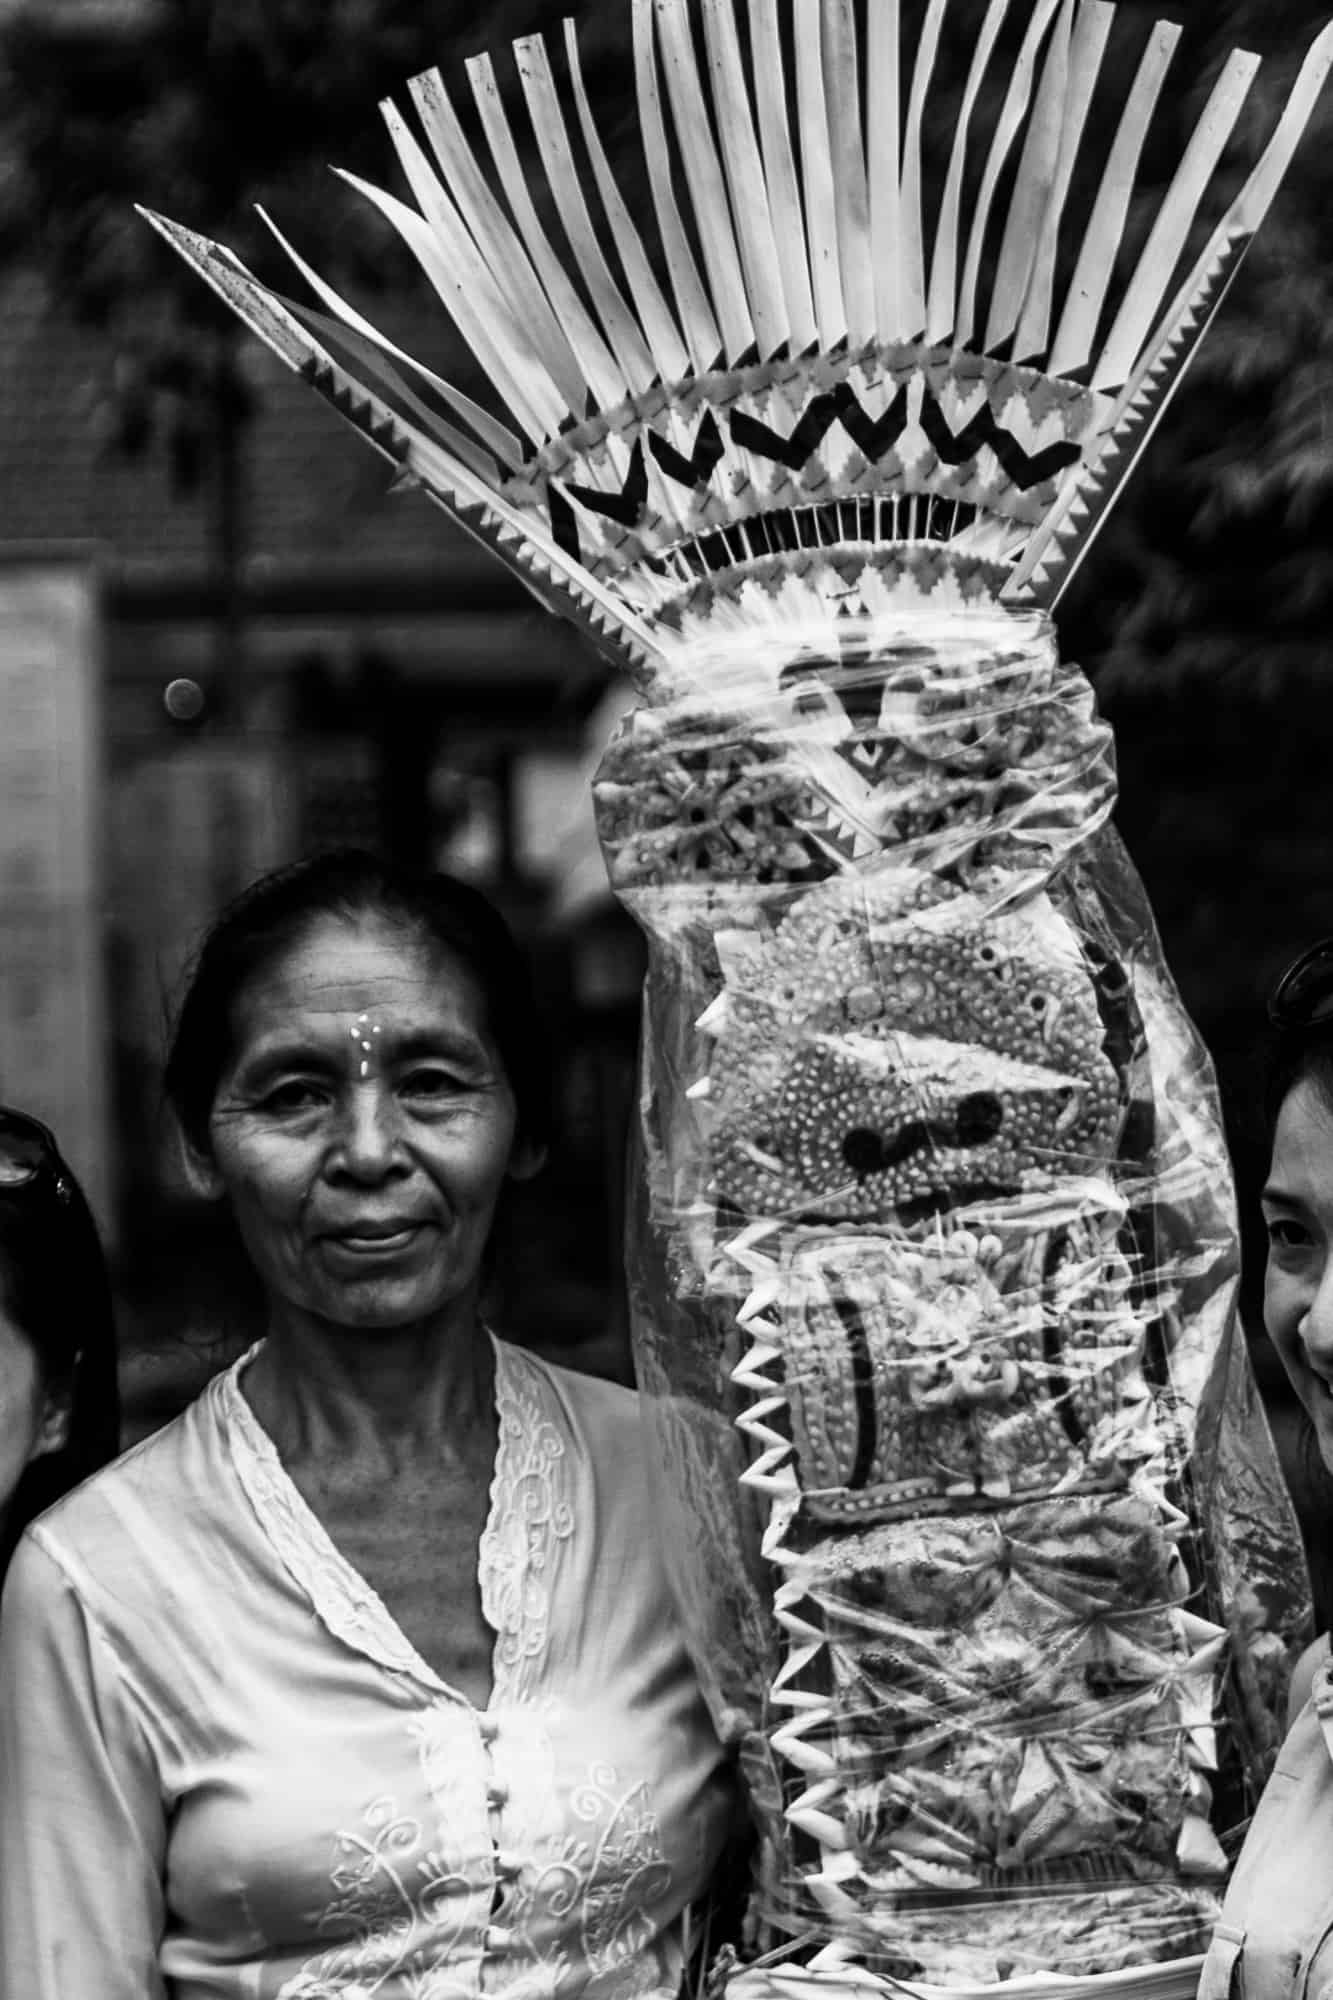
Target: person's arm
[[82, 1832]]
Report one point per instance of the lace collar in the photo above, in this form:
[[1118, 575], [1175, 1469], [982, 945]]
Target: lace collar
[[530, 1513]]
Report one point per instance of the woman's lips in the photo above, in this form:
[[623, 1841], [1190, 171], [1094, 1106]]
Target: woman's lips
[[375, 1242]]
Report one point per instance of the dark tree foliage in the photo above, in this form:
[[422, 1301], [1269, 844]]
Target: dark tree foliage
[[202, 109]]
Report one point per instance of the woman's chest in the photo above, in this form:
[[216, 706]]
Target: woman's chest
[[416, 1546], [373, 1831]]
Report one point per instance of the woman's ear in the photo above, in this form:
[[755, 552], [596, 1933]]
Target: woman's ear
[[53, 1431], [201, 1174]]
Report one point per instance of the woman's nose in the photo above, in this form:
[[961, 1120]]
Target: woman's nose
[[369, 1142], [1316, 1327]]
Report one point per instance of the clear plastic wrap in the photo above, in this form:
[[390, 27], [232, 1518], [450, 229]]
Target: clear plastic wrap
[[977, 1526]]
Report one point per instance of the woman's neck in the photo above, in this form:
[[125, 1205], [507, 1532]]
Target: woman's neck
[[373, 1394]]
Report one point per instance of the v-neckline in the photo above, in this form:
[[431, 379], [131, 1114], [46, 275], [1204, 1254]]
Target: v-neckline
[[344, 1600]]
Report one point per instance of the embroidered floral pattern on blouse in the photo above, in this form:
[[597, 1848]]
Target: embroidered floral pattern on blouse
[[530, 1514], [395, 1901]]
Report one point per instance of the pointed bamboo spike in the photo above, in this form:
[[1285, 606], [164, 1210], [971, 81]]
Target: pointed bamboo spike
[[756, 1418], [842, 97], [496, 240], [1006, 127], [745, 180], [799, 1700], [1032, 187], [796, 1663], [805, 1756], [829, 1789], [746, 1377], [703, 175], [1087, 48], [595, 357], [912, 256], [497, 439], [766, 1293], [659, 326], [463, 286], [781, 1508], [750, 1370], [1096, 260], [784, 197], [773, 1485], [548, 123], [818, 1826], [696, 314], [1166, 240], [941, 302], [883, 139], [821, 214]]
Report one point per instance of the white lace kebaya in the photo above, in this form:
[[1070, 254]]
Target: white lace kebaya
[[225, 1772]]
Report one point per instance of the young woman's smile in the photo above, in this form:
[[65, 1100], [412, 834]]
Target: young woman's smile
[[364, 1127]]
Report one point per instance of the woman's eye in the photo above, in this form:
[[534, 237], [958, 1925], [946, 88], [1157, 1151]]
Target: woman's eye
[[1284, 1234], [432, 1083], [296, 1095]]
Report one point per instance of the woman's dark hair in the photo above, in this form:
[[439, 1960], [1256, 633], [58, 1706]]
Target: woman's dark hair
[[1297, 1055], [349, 884], [54, 1287]]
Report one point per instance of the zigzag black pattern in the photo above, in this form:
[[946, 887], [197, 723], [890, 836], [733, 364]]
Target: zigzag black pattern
[[698, 468], [957, 447], [625, 506], [873, 436]]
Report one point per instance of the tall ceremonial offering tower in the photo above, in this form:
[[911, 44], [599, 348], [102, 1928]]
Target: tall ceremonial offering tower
[[974, 1519]]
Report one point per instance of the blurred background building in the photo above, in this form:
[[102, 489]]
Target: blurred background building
[[225, 642]]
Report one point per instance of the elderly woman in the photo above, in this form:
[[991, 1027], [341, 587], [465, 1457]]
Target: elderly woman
[[362, 1676], [59, 1410]]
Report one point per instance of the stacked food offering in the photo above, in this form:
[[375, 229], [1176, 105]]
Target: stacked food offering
[[904, 1133], [973, 1514]]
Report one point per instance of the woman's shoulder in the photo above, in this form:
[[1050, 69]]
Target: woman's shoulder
[[108, 1527]]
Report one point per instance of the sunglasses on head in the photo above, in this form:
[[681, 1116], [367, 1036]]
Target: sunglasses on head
[[1303, 997], [29, 1156]]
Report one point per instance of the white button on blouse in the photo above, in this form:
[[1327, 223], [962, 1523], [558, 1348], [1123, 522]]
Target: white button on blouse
[[225, 1772]]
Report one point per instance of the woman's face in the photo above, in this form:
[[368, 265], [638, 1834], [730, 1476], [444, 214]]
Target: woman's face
[[1298, 1281], [28, 1425], [363, 1128]]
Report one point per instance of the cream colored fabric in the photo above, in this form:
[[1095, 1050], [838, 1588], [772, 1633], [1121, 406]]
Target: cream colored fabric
[[1275, 1937], [225, 1772]]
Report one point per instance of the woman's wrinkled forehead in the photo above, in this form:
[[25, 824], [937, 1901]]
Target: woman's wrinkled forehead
[[357, 980]]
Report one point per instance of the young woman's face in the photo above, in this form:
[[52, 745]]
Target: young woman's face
[[1298, 1281], [25, 1416], [363, 1128]]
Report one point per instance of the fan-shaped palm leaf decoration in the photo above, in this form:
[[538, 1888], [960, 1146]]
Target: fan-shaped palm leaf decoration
[[811, 386]]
